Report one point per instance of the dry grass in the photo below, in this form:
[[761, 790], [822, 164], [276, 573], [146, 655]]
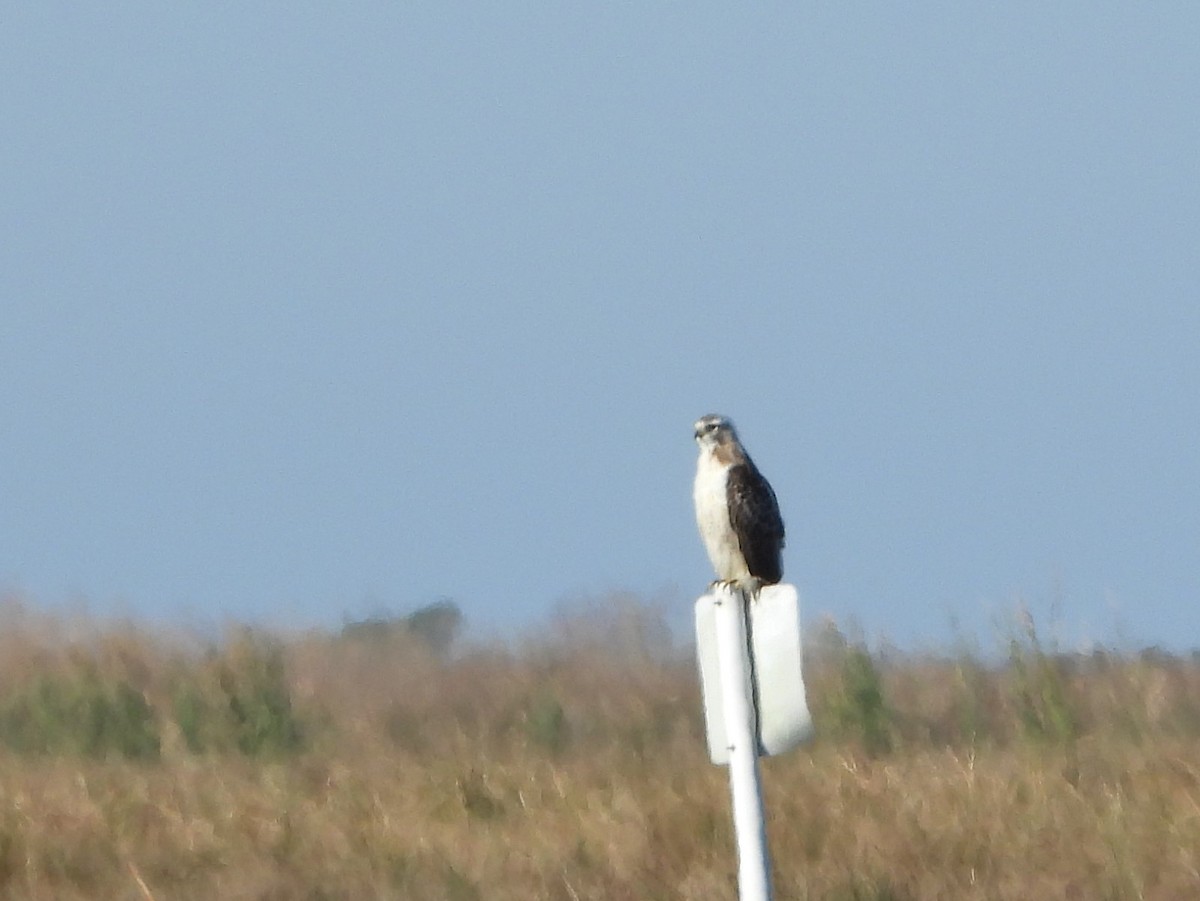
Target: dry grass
[[370, 766]]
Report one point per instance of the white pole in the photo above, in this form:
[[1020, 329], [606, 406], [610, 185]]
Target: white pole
[[733, 652]]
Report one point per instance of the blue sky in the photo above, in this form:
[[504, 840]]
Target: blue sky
[[309, 311]]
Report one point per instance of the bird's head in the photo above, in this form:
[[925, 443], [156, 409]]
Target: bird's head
[[713, 431]]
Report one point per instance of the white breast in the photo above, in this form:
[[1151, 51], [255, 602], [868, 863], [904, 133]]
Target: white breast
[[712, 517]]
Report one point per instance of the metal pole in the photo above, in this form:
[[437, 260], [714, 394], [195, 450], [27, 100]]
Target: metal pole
[[733, 652]]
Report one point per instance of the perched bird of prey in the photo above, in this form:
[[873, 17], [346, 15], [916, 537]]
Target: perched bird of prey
[[736, 509]]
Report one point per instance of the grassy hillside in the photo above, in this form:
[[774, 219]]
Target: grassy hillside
[[380, 762]]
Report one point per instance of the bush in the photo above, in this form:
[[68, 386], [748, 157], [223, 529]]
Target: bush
[[241, 701], [546, 723], [1039, 688], [850, 701], [860, 710], [79, 713]]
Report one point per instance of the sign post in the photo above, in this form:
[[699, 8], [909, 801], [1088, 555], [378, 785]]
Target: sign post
[[749, 650], [741, 728]]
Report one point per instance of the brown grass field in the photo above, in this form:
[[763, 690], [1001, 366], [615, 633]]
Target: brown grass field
[[381, 762]]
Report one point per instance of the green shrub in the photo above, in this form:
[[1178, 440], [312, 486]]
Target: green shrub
[[850, 703], [241, 701], [79, 713], [546, 723], [1038, 686], [862, 711]]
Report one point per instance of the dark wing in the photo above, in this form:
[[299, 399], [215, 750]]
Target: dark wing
[[754, 515]]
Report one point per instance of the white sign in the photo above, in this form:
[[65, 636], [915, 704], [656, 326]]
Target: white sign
[[773, 680]]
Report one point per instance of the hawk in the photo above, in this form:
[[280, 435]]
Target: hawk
[[736, 509]]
